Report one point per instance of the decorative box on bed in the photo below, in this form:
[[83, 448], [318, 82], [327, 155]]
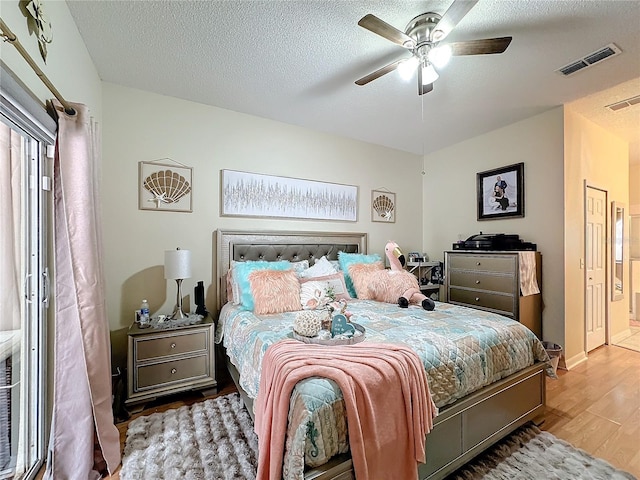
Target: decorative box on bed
[[478, 405]]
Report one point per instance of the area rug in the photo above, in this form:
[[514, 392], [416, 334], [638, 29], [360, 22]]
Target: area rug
[[214, 439]]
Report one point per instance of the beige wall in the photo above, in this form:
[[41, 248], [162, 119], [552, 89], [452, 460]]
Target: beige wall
[[450, 199], [141, 126], [634, 188], [69, 66], [602, 160]]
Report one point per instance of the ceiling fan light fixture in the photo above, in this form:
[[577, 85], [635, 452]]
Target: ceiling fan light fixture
[[429, 74], [440, 55], [437, 35], [407, 68]]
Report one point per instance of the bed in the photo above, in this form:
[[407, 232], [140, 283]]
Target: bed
[[485, 405]]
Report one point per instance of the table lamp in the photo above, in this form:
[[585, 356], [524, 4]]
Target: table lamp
[[177, 266]]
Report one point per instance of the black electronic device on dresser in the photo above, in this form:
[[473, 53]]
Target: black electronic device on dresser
[[494, 241]]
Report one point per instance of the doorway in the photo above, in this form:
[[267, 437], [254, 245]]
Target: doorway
[[595, 267]]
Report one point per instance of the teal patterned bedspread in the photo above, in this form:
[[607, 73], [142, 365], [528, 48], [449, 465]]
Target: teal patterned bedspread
[[462, 349]]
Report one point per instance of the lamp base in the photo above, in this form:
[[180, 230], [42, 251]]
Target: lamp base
[[178, 313]]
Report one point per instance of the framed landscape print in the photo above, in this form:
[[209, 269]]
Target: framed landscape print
[[501, 192]]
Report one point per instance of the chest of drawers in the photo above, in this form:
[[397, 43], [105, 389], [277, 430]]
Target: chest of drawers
[[162, 362], [491, 281]]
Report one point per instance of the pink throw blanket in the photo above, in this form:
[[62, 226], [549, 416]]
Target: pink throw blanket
[[388, 403]]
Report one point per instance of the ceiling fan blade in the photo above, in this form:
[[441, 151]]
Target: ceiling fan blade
[[480, 47], [380, 72], [382, 28], [453, 15], [422, 89]]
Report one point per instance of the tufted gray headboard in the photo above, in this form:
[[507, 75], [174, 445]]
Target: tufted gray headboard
[[273, 245]]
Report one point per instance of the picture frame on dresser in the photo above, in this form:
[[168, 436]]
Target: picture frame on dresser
[[501, 192]]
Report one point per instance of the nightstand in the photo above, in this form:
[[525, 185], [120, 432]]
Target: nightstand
[[422, 270], [169, 360]]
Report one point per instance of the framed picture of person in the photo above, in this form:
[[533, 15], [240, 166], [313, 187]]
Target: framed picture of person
[[501, 192]]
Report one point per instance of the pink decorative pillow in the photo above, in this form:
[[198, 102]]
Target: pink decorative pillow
[[361, 275], [274, 291], [334, 282]]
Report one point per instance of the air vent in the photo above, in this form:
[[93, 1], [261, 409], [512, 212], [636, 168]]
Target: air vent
[[624, 103], [608, 51]]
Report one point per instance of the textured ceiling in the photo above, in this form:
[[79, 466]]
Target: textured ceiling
[[296, 61]]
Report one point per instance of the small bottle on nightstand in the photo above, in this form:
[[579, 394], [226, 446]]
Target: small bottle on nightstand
[[144, 314]]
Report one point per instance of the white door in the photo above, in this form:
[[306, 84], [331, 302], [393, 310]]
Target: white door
[[595, 264]]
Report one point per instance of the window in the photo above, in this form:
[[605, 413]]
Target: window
[[25, 137]]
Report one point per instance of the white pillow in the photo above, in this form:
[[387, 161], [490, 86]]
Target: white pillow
[[300, 266], [232, 281], [313, 295], [321, 268]]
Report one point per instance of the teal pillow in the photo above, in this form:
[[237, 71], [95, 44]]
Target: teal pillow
[[347, 259], [242, 271]]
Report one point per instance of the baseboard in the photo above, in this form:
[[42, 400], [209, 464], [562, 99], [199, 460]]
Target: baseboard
[[574, 361], [618, 337]]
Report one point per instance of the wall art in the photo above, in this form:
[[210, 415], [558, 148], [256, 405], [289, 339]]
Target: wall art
[[257, 195], [501, 192], [165, 185], [383, 206]]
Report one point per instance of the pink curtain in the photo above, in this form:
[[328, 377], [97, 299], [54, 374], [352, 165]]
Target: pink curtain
[[82, 415]]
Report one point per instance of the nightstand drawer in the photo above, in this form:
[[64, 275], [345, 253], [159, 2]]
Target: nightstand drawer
[[167, 372], [502, 303], [504, 264], [173, 344], [482, 281]]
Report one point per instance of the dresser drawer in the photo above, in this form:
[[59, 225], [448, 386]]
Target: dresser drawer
[[502, 264], [147, 348], [474, 298], [482, 281], [158, 374]]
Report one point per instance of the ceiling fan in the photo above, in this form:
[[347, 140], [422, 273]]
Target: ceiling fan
[[422, 38]]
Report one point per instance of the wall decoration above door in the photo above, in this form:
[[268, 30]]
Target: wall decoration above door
[[257, 195], [501, 192], [165, 185]]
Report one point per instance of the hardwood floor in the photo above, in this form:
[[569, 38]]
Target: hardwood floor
[[595, 406]]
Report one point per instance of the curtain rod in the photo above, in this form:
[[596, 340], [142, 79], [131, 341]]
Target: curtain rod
[[10, 37]]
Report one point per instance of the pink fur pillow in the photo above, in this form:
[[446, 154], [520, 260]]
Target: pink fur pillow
[[274, 291], [362, 275]]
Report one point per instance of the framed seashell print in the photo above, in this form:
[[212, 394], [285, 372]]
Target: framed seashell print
[[165, 185], [383, 206]]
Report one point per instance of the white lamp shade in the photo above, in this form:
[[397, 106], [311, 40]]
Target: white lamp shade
[[440, 56], [407, 68], [429, 74], [177, 264]]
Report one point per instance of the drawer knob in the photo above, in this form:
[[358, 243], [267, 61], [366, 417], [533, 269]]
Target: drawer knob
[[477, 282], [478, 263], [173, 345], [477, 299], [173, 370]]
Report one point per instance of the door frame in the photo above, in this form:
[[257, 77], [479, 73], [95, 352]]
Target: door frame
[[607, 281]]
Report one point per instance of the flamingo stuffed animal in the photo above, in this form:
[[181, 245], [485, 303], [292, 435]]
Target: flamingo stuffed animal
[[398, 285]]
